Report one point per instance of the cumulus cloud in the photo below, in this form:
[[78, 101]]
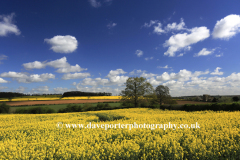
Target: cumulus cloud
[[180, 41], [62, 44], [182, 75], [114, 91], [227, 27], [204, 52], [158, 29], [115, 72], [139, 53], [62, 65], [59, 63], [148, 58], [95, 3], [3, 81], [24, 78], [135, 72], [147, 75], [175, 26], [166, 67], [34, 65], [3, 57], [21, 89], [75, 76], [111, 25], [94, 82], [182, 83], [2, 88], [42, 89], [219, 55], [152, 22], [7, 26], [75, 68], [216, 72], [60, 90], [115, 79]]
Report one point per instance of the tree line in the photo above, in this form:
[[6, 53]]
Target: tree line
[[16, 94], [79, 93]]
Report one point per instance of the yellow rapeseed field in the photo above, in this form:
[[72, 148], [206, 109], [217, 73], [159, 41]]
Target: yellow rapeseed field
[[38, 137]]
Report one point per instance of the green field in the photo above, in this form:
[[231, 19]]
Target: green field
[[58, 106]]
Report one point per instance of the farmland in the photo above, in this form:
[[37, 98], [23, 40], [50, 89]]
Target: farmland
[[37, 136]]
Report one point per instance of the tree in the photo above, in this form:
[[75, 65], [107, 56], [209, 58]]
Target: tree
[[235, 98], [162, 93], [135, 89]]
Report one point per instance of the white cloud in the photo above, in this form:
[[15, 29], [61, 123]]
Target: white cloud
[[115, 72], [158, 29], [166, 67], [7, 26], [3, 81], [3, 57], [111, 25], [24, 78], [114, 91], [42, 89], [63, 44], [75, 68], [180, 41], [13, 75], [204, 52], [198, 73], [94, 82], [139, 53], [95, 3], [115, 79], [60, 90], [21, 89], [182, 75], [135, 72], [59, 63], [233, 77], [227, 27], [147, 75], [152, 22], [2, 88], [75, 76], [175, 26], [148, 58], [216, 72], [34, 65], [219, 55], [180, 55], [62, 65]]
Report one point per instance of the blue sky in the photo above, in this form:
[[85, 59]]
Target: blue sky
[[95, 45]]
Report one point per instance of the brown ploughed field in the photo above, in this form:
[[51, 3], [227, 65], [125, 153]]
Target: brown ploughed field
[[22, 103]]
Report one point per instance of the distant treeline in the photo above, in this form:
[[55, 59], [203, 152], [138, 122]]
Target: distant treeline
[[79, 93], [16, 94], [10, 94]]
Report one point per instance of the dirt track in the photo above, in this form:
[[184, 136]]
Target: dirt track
[[81, 101], [57, 102]]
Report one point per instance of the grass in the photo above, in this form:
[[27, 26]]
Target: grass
[[57, 106]]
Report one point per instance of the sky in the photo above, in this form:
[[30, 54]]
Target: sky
[[53, 46]]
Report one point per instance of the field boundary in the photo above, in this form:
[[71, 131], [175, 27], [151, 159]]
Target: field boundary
[[30, 103]]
